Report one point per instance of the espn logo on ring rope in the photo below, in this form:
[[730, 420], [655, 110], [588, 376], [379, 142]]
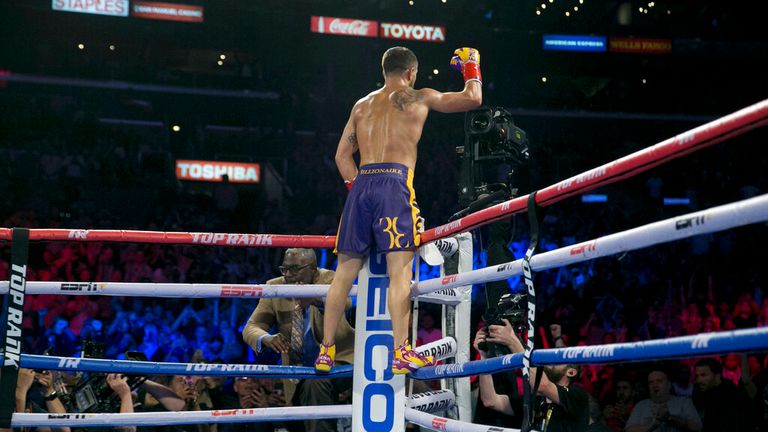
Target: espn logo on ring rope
[[241, 291], [439, 423]]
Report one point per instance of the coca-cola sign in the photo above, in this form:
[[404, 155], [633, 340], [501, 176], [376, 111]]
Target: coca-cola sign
[[344, 26], [417, 32]]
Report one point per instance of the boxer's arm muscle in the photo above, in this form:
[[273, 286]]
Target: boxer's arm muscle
[[470, 98], [345, 151]]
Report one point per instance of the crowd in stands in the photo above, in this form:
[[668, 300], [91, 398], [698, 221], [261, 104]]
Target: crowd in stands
[[63, 174]]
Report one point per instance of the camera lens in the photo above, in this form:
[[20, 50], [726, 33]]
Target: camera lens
[[480, 123]]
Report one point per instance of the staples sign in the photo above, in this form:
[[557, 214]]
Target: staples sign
[[344, 26], [212, 171], [168, 11], [415, 32], [98, 7]]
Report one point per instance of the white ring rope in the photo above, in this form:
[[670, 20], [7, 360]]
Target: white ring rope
[[175, 290], [438, 423], [435, 401], [183, 417], [719, 218], [193, 290]]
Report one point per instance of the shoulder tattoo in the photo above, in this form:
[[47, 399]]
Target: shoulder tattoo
[[352, 139], [404, 97]]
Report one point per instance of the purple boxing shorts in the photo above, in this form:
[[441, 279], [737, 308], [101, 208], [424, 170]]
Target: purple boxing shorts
[[381, 208]]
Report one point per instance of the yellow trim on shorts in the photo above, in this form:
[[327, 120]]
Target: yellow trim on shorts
[[414, 209], [336, 240]]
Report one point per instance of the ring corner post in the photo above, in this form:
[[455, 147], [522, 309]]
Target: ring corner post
[[378, 398], [12, 324]]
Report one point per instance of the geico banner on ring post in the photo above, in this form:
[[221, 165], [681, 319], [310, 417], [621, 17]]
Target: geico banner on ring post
[[378, 397], [213, 171], [98, 7]]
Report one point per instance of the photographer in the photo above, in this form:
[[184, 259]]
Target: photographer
[[25, 381], [119, 384], [181, 394], [565, 407]]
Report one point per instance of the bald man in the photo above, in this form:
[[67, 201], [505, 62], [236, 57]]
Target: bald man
[[299, 268]]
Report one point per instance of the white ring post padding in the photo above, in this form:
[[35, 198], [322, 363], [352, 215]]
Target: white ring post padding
[[175, 289], [440, 349], [447, 246], [463, 317], [719, 218], [448, 297], [438, 423], [183, 417], [433, 401]]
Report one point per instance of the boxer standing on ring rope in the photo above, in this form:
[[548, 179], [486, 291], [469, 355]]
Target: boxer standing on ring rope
[[385, 126]]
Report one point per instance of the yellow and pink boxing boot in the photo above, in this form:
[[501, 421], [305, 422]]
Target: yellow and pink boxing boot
[[406, 360]]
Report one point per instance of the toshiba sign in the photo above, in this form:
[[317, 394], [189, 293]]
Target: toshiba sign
[[98, 7], [211, 171], [416, 32], [367, 28]]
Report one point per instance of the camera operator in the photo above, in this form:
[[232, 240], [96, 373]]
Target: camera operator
[[25, 381], [565, 407]]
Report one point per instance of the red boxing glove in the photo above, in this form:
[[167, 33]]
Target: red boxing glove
[[349, 183], [467, 61]]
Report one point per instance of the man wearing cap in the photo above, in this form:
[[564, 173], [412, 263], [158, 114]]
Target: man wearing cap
[[299, 324]]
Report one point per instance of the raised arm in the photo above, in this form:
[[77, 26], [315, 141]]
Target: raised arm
[[469, 98], [345, 152]]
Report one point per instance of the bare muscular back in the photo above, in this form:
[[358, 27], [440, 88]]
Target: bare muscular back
[[388, 125]]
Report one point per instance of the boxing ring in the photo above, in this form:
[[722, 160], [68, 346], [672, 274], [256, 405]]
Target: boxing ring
[[379, 401]]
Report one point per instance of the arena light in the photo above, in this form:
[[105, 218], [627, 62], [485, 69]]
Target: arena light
[[435, 71], [645, 81], [176, 128], [567, 13], [80, 46], [220, 63], [543, 5], [544, 79], [594, 198], [223, 57], [538, 12], [111, 47]]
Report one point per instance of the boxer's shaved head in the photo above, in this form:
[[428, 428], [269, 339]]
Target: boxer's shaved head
[[398, 60]]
